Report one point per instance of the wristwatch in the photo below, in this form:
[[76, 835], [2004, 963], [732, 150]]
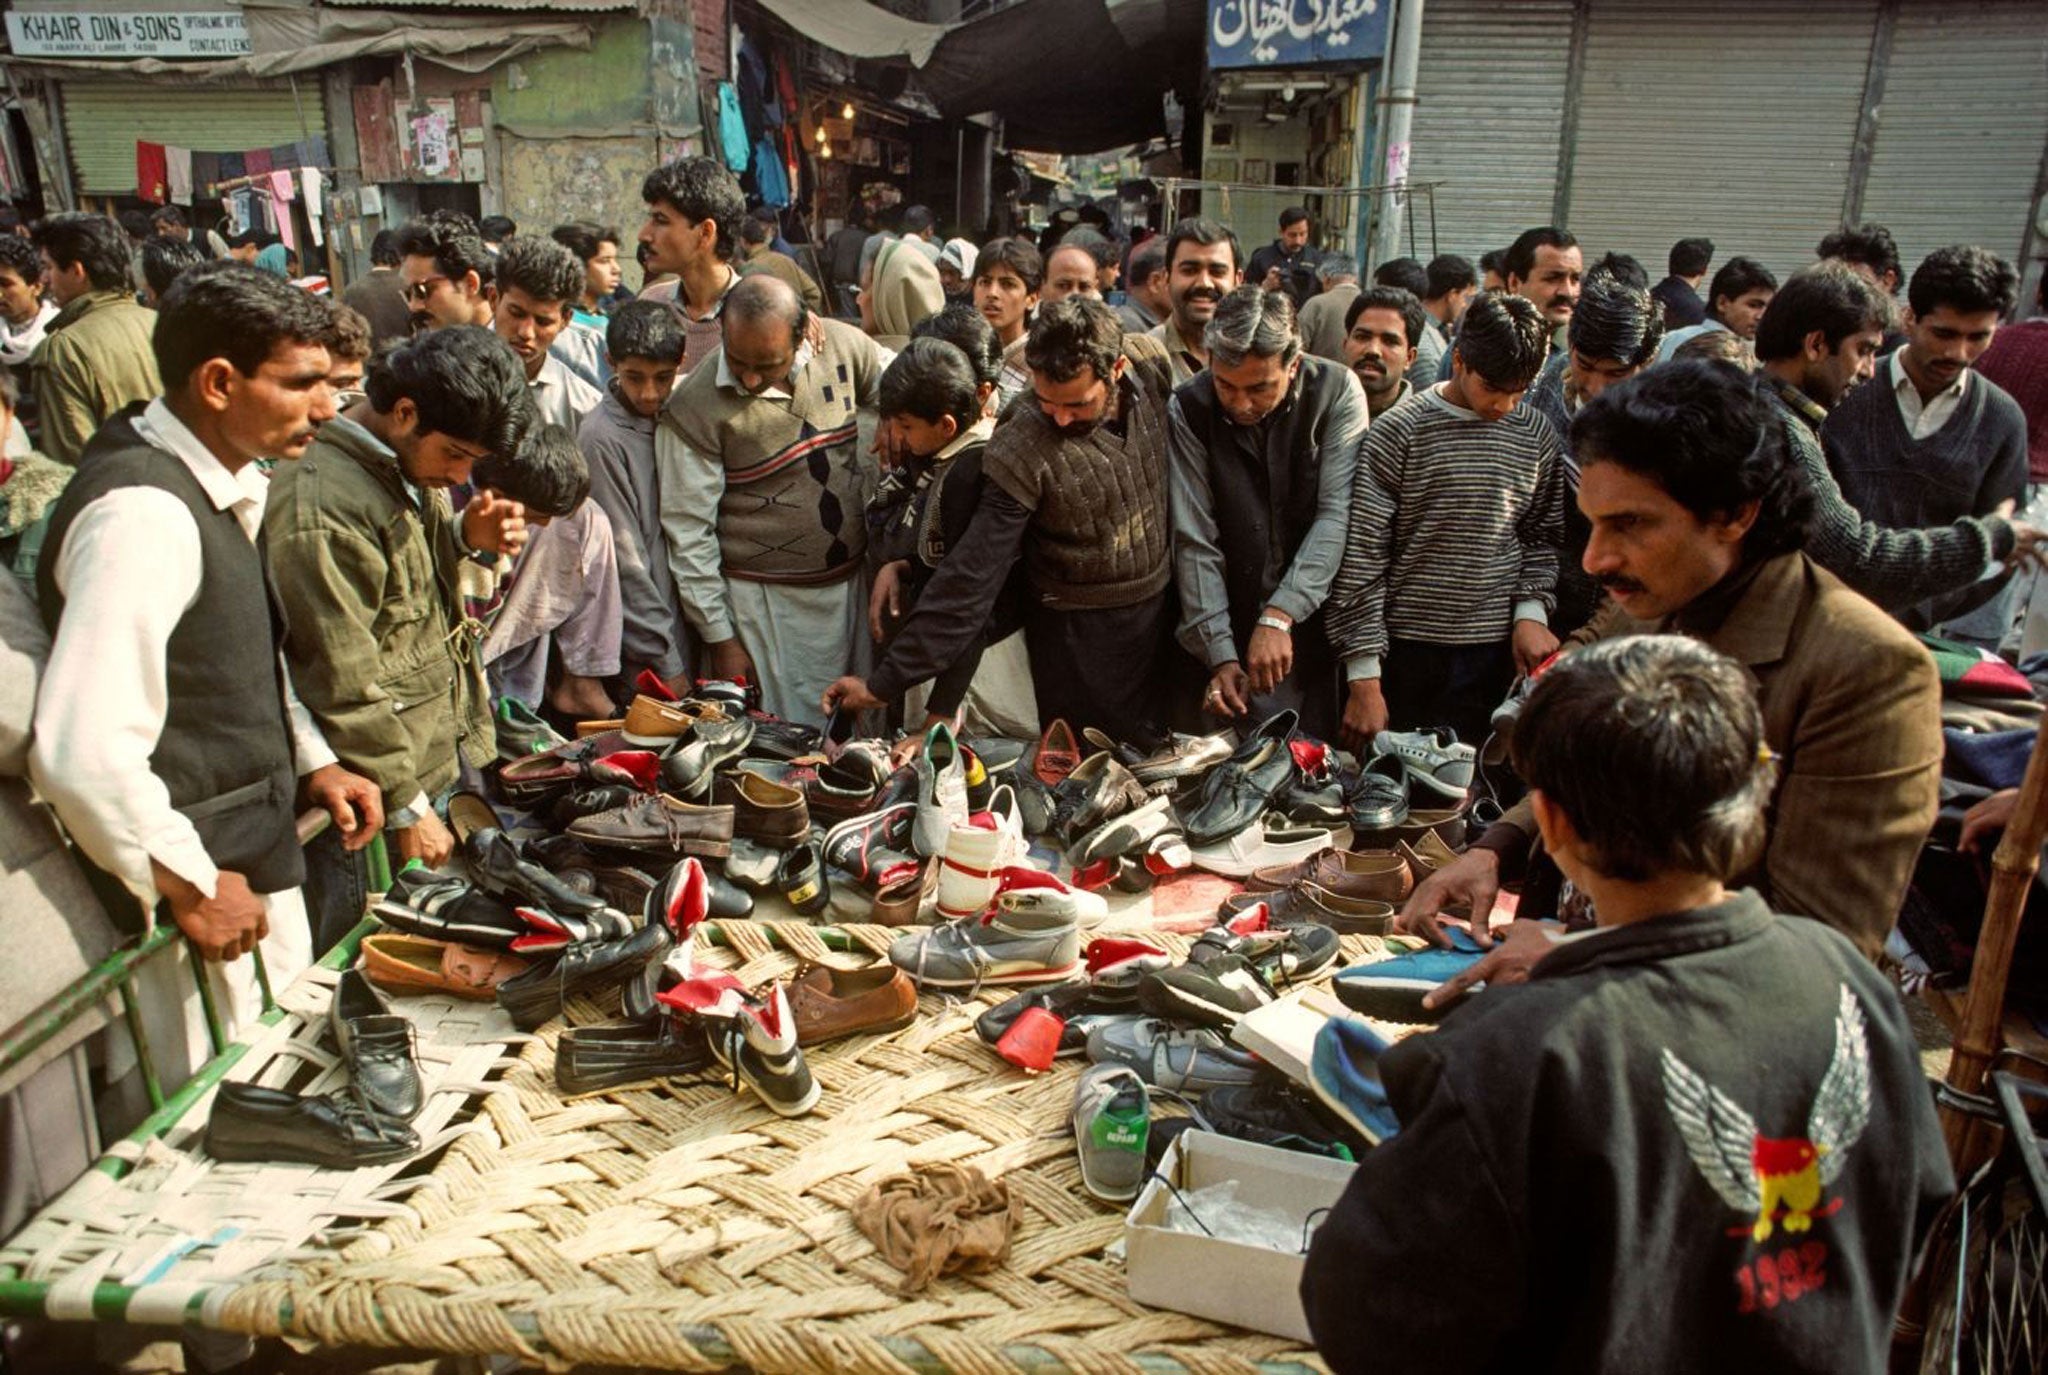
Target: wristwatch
[[1275, 623]]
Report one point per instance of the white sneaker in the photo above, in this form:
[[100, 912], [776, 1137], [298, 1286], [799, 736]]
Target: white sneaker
[[1435, 761], [941, 790], [1271, 840], [1035, 892], [976, 855]]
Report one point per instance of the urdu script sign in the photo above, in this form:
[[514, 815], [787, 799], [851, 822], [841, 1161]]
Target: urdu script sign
[[1296, 33], [127, 33]]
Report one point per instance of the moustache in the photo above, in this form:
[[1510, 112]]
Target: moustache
[[1203, 293], [1371, 365], [1616, 586]]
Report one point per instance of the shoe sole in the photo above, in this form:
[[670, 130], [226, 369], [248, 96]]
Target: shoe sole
[[881, 1029], [1390, 1002], [1181, 1004], [650, 742], [1027, 975], [1371, 1136]]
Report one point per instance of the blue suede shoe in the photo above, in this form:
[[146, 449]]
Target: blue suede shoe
[[1392, 990], [1344, 1071]]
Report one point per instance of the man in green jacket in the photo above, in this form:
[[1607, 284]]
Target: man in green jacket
[[95, 357], [365, 550]]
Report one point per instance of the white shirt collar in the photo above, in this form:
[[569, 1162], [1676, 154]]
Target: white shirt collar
[[804, 354], [1901, 382], [1436, 395], [158, 426]]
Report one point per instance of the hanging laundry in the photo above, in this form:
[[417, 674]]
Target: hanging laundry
[[770, 176], [205, 172], [732, 128], [283, 191], [178, 173], [257, 162], [285, 155], [313, 191], [150, 178], [232, 167]]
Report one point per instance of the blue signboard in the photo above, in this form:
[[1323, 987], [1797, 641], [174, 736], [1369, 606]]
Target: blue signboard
[[1296, 33]]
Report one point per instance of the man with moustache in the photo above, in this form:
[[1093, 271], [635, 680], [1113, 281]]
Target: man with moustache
[[1380, 333], [446, 270], [1544, 267], [1075, 484], [1202, 263]]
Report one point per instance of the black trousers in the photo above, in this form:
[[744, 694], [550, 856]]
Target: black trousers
[[1446, 685], [1102, 667]]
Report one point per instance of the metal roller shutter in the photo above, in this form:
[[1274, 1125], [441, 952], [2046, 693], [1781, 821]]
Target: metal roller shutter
[[1489, 102], [1734, 121], [1961, 127], [102, 122]]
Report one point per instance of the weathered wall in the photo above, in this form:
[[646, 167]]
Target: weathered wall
[[547, 181]]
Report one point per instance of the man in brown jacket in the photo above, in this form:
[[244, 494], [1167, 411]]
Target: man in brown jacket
[[95, 357], [1699, 509]]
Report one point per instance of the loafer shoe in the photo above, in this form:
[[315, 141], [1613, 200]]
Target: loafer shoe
[[941, 790], [1130, 833], [414, 964], [589, 1059], [801, 877], [1372, 875], [1392, 990], [831, 1003], [592, 760], [1057, 755], [1264, 844], [1002, 947], [335, 1131], [757, 1045], [538, 994], [775, 738], [441, 907], [499, 869], [1308, 903], [1112, 1117], [1182, 757], [1426, 855], [1344, 1072], [688, 771], [1165, 1056], [1099, 789], [1378, 798], [1448, 824], [660, 825], [1237, 792], [900, 902], [1437, 764], [377, 1046], [772, 813], [653, 724]]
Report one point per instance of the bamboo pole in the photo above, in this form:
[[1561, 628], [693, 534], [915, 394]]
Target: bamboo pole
[[2013, 867]]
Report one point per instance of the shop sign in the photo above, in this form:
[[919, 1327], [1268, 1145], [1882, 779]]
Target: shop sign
[[1296, 33], [127, 33]]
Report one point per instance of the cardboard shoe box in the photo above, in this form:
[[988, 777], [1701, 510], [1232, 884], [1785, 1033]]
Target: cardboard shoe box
[[1233, 1282]]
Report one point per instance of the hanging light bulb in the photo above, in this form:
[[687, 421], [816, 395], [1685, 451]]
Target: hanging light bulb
[[821, 133], [846, 110], [824, 150]]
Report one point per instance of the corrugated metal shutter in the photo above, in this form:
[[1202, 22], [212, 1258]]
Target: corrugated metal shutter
[[1961, 126], [103, 121], [1733, 121], [1489, 101]]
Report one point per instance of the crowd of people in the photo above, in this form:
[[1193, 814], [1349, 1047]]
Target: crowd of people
[[303, 549]]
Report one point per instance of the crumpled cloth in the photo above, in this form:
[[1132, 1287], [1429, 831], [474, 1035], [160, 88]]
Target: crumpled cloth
[[939, 1219]]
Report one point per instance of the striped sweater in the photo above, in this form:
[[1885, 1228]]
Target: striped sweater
[[1455, 523]]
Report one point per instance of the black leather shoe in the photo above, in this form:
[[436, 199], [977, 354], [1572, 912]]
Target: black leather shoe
[[377, 1046], [1098, 790], [801, 877], [590, 1058], [249, 1122], [775, 738], [589, 802], [539, 993], [713, 744], [1239, 791], [423, 902], [497, 867]]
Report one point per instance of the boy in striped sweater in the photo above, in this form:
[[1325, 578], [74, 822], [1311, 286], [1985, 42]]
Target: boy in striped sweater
[[1450, 564]]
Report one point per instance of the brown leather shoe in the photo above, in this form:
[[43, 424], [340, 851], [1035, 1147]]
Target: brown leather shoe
[[1371, 875], [831, 1003], [1307, 902], [1446, 823], [652, 724], [660, 825], [763, 810], [414, 964], [1426, 855], [897, 903]]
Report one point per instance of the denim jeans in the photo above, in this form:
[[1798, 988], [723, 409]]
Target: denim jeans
[[337, 889]]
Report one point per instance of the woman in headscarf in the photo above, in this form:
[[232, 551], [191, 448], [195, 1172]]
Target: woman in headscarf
[[956, 269], [901, 292]]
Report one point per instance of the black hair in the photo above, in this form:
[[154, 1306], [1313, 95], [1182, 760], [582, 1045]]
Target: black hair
[[1712, 438], [1965, 277], [163, 260], [1405, 273], [1519, 261], [233, 311], [1870, 245], [1200, 229], [453, 241], [753, 230], [917, 219], [1689, 257], [1447, 272], [585, 238], [1491, 261], [1504, 338], [1075, 335], [168, 214], [547, 473], [1616, 320], [700, 189], [465, 381], [1621, 268], [349, 336], [1019, 255], [19, 256], [931, 379], [1404, 303], [1096, 246], [1292, 216], [134, 224], [644, 329], [93, 242], [1737, 278], [1147, 260], [247, 238], [1830, 297], [497, 228], [968, 330], [1653, 747], [384, 249], [541, 268]]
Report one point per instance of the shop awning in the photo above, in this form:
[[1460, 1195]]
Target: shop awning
[[1071, 76], [858, 29]]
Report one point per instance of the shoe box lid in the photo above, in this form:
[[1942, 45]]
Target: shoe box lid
[[1235, 1282], [1283, 1032]]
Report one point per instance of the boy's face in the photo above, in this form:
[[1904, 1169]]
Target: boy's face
[[922, 437], [644, 384], [20, 298], [528, 324]]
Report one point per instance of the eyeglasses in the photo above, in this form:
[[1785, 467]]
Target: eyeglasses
[[417, 292]]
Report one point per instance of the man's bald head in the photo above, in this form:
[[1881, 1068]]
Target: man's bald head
[[764, 322]]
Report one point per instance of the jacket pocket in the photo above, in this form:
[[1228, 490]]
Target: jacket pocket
[[222, 803], [417, 687]]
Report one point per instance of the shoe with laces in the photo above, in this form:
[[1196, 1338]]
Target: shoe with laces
[[1392, 990], [941, 790], [978, 850], [1215, 990], [1166, 1056], [1284, 954], [1112, 1117], [1273, 1112], [873, 849], [1034, 892], [1023, 945], [1344, 1072], [1436, 762], [756, 1044]]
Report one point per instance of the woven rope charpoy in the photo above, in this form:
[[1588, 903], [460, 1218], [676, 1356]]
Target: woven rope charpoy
[[681, 1226]]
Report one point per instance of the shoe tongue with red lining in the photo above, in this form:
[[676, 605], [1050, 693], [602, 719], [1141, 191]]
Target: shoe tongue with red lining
[[689, 898], [649, 684], [544, 933], [1106, 953], [702, 991], [1251, 921], [1096, 876], [768, 1012], [1312, 757], [641, 768]]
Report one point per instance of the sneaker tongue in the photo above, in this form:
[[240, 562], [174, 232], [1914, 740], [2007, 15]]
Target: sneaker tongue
[[649, 683], [1106, 953], [703, 991], [1251, 921], [1312, 757]]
